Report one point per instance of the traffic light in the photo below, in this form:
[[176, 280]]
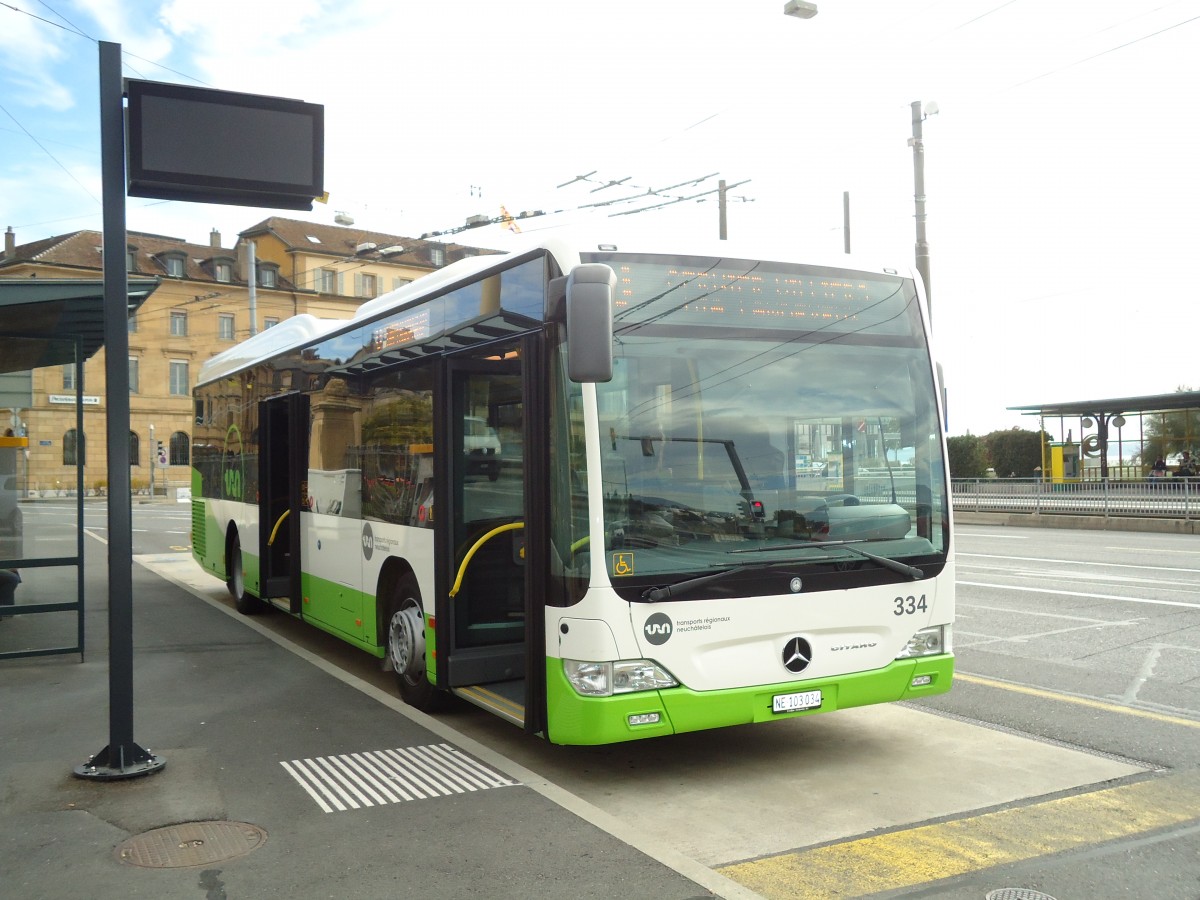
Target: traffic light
[[160, 453]]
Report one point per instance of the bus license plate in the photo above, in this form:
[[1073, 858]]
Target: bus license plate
[[794, 702]]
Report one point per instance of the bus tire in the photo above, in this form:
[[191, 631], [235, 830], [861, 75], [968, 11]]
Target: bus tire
[[244, 602], [405, 647]]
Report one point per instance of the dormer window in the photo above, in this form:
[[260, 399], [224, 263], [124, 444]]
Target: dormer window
[[268, 276], [223, 270], [437, 256], [173, 263]]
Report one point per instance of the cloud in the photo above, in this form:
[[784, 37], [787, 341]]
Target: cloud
[[29, 51]]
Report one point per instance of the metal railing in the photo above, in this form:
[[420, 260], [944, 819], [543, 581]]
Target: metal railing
[[1173, 498]]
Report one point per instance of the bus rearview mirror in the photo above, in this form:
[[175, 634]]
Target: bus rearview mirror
[[590, 290]]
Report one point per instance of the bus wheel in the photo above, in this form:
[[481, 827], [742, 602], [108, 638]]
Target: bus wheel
[[245, 603], [406, 647]]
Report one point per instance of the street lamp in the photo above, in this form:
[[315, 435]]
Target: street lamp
[[800, 9], [917, 142]]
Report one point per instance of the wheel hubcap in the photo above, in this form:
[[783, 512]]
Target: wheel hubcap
[[406, 640]]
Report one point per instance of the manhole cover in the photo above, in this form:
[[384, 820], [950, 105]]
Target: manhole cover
[[1017, 894], [190, 844]]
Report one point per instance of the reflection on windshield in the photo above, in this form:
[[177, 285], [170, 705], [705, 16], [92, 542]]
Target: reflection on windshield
[[751, 409]]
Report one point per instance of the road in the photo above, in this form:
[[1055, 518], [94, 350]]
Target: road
[[1066, 760]]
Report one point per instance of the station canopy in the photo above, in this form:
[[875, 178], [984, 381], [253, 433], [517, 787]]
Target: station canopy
[[1148, 403], [42, 312]]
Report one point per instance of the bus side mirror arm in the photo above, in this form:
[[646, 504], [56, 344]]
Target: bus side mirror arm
[[591, 288]]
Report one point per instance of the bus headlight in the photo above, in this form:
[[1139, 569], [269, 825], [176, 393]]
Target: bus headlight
[[926, 642], [603, 679]]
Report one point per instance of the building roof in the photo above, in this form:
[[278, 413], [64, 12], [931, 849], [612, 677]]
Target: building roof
[[359, 243], [83, 250], [41, 317], [1123, 405]]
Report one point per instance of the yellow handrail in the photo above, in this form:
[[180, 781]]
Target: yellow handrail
[[462, 568], [275, 530]]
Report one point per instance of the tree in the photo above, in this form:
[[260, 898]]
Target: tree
[[967, 456], [1015, 452], [1168, 433]]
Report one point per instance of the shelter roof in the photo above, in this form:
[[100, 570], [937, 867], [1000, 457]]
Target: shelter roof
[[1146, 403], [41, 317]]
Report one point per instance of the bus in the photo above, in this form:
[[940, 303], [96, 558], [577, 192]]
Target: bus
[[605, 491]]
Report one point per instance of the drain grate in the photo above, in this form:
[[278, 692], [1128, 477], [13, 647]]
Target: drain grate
[[380, 777], [1017, 894], [190, 844]]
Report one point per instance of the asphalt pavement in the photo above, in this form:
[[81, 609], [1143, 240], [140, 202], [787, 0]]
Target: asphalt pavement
[[281, 780]]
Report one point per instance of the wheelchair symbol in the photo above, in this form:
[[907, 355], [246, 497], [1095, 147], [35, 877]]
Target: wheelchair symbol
[[622, 564]]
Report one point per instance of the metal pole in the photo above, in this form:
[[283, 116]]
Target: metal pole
[[252, 284], [153, 456], [724, 224], [846, 219], [918, 146], [121, 758]]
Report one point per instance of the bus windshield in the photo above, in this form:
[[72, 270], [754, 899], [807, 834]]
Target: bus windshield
[[758, 409]]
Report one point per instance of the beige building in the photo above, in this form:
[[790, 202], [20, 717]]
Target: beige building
[[207, 301]]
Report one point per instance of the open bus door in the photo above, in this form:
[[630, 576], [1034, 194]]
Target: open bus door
[[282, 469], [488, 628]]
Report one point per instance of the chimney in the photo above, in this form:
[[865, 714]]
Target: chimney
[[214, 239], [10, 243]]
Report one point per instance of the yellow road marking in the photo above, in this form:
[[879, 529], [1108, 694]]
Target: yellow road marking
[[1078, 701], [932, 852]]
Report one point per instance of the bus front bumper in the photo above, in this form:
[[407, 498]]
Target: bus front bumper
[[574, 719]]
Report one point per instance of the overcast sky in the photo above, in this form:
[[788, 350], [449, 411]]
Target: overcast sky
[[1060, 168]]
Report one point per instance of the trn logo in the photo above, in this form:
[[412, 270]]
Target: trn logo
[[658, 628], [368, 540]]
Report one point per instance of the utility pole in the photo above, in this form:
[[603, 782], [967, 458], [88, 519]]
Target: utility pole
[[918, 144], [724, 223], [846, 219]]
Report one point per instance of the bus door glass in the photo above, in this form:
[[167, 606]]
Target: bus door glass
[[282, 469], [487, 534]]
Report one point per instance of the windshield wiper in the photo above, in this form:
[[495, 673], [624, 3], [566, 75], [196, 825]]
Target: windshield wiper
[[653, 595], [670, 591], [894, 564]]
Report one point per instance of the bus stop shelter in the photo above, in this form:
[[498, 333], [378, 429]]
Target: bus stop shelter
[[44, 322], [1166, 425]]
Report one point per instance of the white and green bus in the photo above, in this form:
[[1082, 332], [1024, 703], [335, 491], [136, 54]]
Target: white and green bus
[[606, 492]]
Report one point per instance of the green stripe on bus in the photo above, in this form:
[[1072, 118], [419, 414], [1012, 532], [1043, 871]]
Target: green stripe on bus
[[600, 720]]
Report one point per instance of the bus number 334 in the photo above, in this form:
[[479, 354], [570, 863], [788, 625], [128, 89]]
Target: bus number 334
[[906, 606]]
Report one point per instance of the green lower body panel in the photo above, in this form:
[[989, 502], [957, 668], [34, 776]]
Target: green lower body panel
[[574, 719]]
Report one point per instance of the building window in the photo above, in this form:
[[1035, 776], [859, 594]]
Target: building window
[[268, 276], [173, 265], [399, 282], [269, 322], [133, 325], [178, 323], [225, 326], [364, 285], [223, 271], [73, 448], [179, 449], [69, 377], [180, 386], [134, 387], [134, 449], [437, 256], [328, 282], [130, 260]]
